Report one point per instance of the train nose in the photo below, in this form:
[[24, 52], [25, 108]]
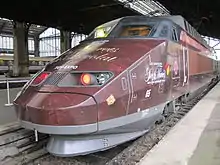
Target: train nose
[[62, 109], [47, 111]]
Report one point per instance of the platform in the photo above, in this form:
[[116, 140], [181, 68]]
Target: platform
[[195, 140], [7, 113]]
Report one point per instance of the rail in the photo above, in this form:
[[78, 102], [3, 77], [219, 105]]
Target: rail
[[8, 81]]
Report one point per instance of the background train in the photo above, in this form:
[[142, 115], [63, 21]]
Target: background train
[[116, 84], [35, 63]]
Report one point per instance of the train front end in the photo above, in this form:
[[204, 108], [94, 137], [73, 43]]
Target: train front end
[[82, 97]]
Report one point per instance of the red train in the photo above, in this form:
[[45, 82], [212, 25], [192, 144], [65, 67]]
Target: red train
[[116, 84]]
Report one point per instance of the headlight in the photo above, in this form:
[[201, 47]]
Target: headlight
[[89, 79], [95, 78]]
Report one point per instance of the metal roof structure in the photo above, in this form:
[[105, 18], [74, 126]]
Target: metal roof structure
[[6, 27], [75, 16], [127, 7], [146, 7]]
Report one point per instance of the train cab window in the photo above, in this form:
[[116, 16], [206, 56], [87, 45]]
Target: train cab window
[[174, 35], [135, 31], [164, 31], [104, 30]]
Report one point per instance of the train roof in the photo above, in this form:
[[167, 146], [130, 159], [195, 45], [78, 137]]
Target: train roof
[[177, 19]]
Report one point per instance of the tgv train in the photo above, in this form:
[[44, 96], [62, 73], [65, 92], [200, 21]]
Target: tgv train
[[116, 84]]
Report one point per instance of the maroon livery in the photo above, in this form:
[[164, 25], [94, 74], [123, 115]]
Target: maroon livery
[[116, 84]]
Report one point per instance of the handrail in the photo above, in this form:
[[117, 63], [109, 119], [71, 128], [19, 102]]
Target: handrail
[[13, 81], [8, 81]]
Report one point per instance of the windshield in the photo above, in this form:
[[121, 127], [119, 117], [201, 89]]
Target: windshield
[[104, 30], [135, 31], [125, 28]]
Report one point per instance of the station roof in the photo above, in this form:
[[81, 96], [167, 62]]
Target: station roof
[[83, 16], [76, 16], [6, 27]]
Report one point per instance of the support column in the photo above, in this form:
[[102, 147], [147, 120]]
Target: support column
[[65, 40], [21, 55], [36, 46]]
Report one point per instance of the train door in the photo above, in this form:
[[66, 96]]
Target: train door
[[176, 71], [140, 91], [176, 60], [185, 58], [185, 66]]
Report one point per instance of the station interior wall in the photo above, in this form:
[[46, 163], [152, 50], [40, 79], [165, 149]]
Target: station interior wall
[[49, 42]]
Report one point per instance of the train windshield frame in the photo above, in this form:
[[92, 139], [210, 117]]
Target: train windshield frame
[[103, 31], [125, 28], [135, 30]]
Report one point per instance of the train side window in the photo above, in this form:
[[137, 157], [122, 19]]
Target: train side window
[[164, 31], [174, 35]]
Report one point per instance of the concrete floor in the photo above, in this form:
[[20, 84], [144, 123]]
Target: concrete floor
[[7, 113], [208, 148], [195, 140]]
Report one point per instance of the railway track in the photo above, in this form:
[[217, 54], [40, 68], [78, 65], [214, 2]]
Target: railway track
[[16, 143], [18, 146]]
